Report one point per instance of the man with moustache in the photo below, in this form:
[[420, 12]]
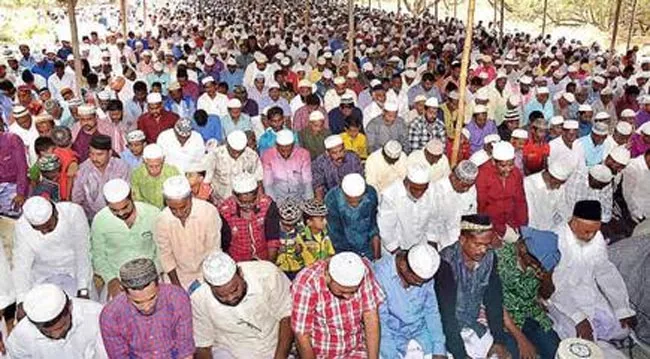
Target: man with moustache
[[156, 119], [243, 310], [89, 126], [122, 231], [329, 168]]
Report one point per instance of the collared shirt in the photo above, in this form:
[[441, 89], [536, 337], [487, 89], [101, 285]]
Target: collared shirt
[[165, 334], [148, 189], [477, 134], [104, 127], [184, 109], [357, 144], [379, 132], [223, 168], [546, 207], [449, 207], [380, 174], [326, 174], [559, 151], [593, 154], [228, 125], [439, 169], [113, 243], [88, 186], [335, 325], [422, 131], [181, 155], [407, 313], [578, 189], [60, 257], [152, 127], [133, 110], [336, 120], [636, 178], [233, 79], [131, 159], [13, 163], [211, 130], [637, 146], [287, 178], [313, 142], [250, 329], [83, 341], [213, 106], [267, 102], [534, 105]]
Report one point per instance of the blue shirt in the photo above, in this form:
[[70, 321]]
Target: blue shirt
[[267, 140], [130, 159], [336, 119], [212, 129], [6, 107], [407, 313], [584, 128], [228, 125], [282, 103], [45, 69], [414, 91], [232, 78], [593, 153], [534, 105], [27, 63], [352, 228], [184, 109]]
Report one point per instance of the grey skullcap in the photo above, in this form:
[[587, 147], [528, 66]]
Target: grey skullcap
[[138, 273], [50, 104], [466, 171], [61, 136]]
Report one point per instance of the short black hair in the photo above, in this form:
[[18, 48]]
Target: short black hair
[[139, 86], [42, 144], [114, 105], [201, 117], [428, 76], [535, 115], [275, 110], [312, 100]]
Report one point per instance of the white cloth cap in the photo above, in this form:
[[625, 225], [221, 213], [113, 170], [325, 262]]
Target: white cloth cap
[[273, 85], [601, 173], [423, 260], [568, 96], [44, 302], [116, 190], [491, 138], [418, 174], [231, 62], [520, 134], [233, 103], [599, 80], [628, 113], [135, 136], [542, 90], [410, 74], [177, 187], [237, 140], [152, 151], [154, 97], [557, 120], [339, 80], [602, 115], [304, 83], [561, 170], [482, 95], [585, 108], [600, 128], [432, 102], [367, 67], [645, 100], [37, 210], [353, 185], [503, 151], [393, 149], [284, 137], [86, 110], [316, 116], [218, 268], [644, 129], [206, 80], [435, 147], [526, 80], [479, 157], [621, 155], [347, 269], [624, 128], [420, 98], [390, 106], [570, 125], [244, 183], [514, 100], [480, 109], [332, 141]]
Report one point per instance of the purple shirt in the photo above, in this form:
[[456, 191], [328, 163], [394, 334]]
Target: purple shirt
[[282, 103], [13, 163], [81, 145], [326, 174], [642, 117], [638, 147], [290, 178], [165, 334], [88, 187], [477, 134]]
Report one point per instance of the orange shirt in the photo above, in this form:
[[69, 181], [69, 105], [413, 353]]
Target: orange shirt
[[69, 165], [535, 155]]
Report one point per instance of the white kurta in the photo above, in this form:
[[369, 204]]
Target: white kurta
[[546, 207], [438, 170], [7, 292], [380, 174], [28, 137], [213, 106], [333, 100], [60, 257], [636, 182], [181, 155], [450, 206], [371, 112], [83, 341], [560, 152]]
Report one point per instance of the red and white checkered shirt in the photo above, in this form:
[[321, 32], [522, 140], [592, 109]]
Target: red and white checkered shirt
[[334, 325]]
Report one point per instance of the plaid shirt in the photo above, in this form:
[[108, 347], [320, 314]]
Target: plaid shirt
[[334, 325], [422, 131], [578, 189], [165, 334]]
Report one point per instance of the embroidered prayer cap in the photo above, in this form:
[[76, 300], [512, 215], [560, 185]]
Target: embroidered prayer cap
[[475, 223], [314, 208], [138, 273], [218, 268], [183, 127]]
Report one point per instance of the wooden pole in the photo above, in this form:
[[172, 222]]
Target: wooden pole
[[629, 31], [544, 18], [307, 6], [74, 34], [617, 16], [495, 8], [501, 22], [144, 14], [399, 6], [467, 49], [350, 32], [436, 10], [125, 15]]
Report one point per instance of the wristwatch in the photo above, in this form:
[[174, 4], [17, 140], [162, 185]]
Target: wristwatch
[[82, 293]]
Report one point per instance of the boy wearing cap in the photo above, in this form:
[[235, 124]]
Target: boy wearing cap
[[289, 258], [353, 139], [313, 238], [48, 186], [132, 155]]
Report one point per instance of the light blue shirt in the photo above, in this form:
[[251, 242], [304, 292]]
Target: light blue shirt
[[267, 140], [534, 105], [282, 103], [407, 313], [130, 159], [593, 153], [163, 78], [228, 125], [232, 78]]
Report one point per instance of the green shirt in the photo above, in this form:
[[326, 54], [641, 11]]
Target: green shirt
[[314, 143], [520, 289], [112, 243], [149, 189]]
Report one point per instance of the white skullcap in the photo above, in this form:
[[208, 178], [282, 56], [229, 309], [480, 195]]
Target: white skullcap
[[135, 136], [304, 83], [645, 100], [542, 90], [233, 103], [514, 100], [503, 151], [367, 67], [374, 83], [557, 120], [599, 80], [491, 138], [479, 157], [483, 76], [176, 187], [158, 66], [237, 140], [37, 210], [520, 134], [526, 80], [244, 183], [231, 62], [208, 60], [621, 155], [435, 147], [480, 109], [568, 96], [410, 74], [44, 302], [152, 151], [561, 170], [333, 141], [353, 185], [644, 129], [393, 149], [423, 260], [154, 97], [390, 106], [601, 173], [585, 108], [574, 348], [482, 95], [86, 110], [501, 75], [624, 128], [206, 80], [273, 85], [284, 137], [316, 116], [570, 125], [432, 102], [352, 75], [602, 115], [116, 190], [218, 268], [606, 91], [321, 61], [347, 269], [600, 128], [104, 95], [418, 174], [420, 98], [628, 113], [339, 80]]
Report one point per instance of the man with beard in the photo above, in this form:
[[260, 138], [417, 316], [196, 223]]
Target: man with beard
[[157, 119], [57, 327], [243, 310], [149, 319], [89, 126], [329, 168], [122, 231]]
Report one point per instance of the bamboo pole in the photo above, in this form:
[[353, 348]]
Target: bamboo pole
[[399, 6], [74, 34], [436, 10], [456, 9], [350, 32], [144, 14], [495, 8], [502, 10], [629, 31], [617, 16], [544, 18], [467, 49], [307, 6], [125, 15]]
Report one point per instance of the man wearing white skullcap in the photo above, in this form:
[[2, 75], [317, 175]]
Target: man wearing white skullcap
[[147, 180], [181, 145], [432, 156], [132, 155], [235, 119], [186, 231], [545, 195], [405, 217], [500, 189], [592, 145], [479, 127], [335, 308], [566, 146], [388, 126], [57, 326], [211, 101], [636, 177], [329, 168], [51, 246], [385, 166], [24, 127], [122, 231], [276, 123], [427, 127], [419, 320], [593, 183], [287, 169], [156, 119], [251, 221], [257, 288], [332, 98], [620, 136], [541, 103]]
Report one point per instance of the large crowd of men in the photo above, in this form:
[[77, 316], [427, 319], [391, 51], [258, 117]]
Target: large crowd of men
[[227, 184]]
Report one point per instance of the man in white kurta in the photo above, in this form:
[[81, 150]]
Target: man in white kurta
[[181, 145], [211, 101], [566, 146], [432, 156], [545, 196], [246, 325], [51, 246], [386, 166], [636, 182]]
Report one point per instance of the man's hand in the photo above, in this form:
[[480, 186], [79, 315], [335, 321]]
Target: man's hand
[[3, 351], [20, 313], [584, 330], [499, 350], [546, 286], [18, 201], [526, 349], [629, 322], [114, 288]]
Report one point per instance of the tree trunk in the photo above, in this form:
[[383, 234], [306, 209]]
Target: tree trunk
[[617, 16], [350, 32], [74, 34], [629, 31], [125, 15], [544, 17], [502, 10]]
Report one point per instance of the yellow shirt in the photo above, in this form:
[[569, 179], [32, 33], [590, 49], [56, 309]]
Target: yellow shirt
[[357, 144]]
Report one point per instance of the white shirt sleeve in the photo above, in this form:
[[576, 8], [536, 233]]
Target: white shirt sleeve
[[82, 248], [23, 258], [7, 292], [387, 219]]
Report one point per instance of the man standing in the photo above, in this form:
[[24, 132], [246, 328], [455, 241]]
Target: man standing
[[565, 147], [593, 183], [329, 168], [88, 126], [186, 231], [545, 196], [430, 126], [243, 310], [24, 128], [480, 127], [432, 156], [157, 119], [147, 180], [120, 232], [335, 309], [14, 185], [387, 127], [211, 101], [636, 178], [149, 319], [287, 170], [181, 145], [410, 312]]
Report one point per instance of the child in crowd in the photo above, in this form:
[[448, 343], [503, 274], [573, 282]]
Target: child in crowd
[[313, 239], [195, 173], [50, 169], [518, 140], [289, 259], [68, 158], [353, 139], [42, 146], [132, 155]]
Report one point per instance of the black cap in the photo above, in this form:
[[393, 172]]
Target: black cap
[[100, 142], [589, 209]]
